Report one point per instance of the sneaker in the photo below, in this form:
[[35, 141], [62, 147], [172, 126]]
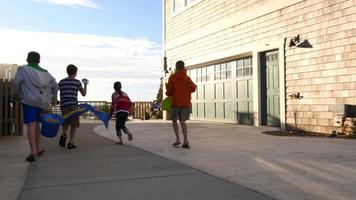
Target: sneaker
[[62, 141], [71, 146]]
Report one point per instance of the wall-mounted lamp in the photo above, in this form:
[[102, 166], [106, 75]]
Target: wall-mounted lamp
[[296, 42], [296, 96]]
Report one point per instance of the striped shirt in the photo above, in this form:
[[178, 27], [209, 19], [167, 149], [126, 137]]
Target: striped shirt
[[69, 88]]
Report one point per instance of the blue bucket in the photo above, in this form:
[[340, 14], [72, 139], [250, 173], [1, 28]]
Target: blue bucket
[[50, 125]]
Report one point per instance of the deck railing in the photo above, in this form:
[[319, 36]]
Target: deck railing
[[140, 109]]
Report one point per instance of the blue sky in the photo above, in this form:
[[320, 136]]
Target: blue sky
[[108, 40], [125, 18]]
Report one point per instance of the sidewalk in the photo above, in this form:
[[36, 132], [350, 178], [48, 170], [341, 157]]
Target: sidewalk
[[290, 168], [13, 167], [99, 169]]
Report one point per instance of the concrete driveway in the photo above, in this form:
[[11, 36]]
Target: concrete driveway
[[280, 167], [100, 169]]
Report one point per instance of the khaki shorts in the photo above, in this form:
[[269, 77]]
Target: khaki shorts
[[74, 122], [180, 113]]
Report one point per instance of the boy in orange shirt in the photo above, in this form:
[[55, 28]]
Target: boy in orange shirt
[[179, 88]]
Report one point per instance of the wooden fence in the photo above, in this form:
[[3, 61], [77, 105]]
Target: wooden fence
[[8, 71], [10, 114], [141, 109]]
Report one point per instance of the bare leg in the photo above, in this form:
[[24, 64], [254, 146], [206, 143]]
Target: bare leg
[[120, 140], [38, 137], [185, 131], [129, 134], [71, 134], [64, 129], [31, 135], [175, 128]]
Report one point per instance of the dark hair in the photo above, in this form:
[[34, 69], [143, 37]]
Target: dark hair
[[33, 57], [71, 69], [179, 65], [117, 87]]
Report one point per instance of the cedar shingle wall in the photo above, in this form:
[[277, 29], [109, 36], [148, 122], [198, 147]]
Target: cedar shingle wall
[[325, 75]]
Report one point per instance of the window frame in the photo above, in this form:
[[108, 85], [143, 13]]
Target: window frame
[[187, 4]]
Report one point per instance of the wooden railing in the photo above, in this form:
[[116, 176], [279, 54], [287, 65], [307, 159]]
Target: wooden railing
[[101, 105], [140, 109], [11, 121]]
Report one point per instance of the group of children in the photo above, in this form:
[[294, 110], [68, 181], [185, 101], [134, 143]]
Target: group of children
[[37, 89]]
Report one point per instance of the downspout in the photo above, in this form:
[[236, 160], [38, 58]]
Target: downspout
[[284, 125], [164, 38]]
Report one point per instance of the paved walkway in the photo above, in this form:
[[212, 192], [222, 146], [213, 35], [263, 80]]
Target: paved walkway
[[290, 168], [99, 169]]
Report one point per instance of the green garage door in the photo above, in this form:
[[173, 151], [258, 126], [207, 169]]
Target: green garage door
[[244, 88]]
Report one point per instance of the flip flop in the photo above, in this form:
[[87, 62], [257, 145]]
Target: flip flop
[[176, 144], [30, 158], [130, 136], [186, 146], [40, 152]]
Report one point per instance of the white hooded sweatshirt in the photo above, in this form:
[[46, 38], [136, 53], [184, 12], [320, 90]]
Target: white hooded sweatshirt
[[34, 87]]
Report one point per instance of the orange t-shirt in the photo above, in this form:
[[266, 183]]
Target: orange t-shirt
[[179, 88]]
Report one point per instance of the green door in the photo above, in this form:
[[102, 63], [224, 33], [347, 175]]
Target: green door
[[270, 83]]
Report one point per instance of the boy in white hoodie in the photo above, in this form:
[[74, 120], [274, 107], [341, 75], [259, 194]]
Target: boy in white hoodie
[[37, 90]]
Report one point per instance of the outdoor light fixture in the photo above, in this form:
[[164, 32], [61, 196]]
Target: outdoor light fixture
[[305, 44], [295, 42]]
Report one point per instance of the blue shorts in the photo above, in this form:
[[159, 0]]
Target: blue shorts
[[31, 114]]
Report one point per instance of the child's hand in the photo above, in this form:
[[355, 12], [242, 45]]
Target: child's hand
[[85, 81], [54, 102]]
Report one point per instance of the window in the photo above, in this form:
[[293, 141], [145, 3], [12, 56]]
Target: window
[[202, 74], [222, 71], [179, 5], [244, 67]]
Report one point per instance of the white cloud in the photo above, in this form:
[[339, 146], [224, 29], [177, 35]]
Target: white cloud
[[72, 3], [101, 59]]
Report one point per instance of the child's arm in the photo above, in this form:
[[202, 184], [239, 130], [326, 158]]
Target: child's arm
[[16, 84], [169, 87], [193, 87], [82, 90]]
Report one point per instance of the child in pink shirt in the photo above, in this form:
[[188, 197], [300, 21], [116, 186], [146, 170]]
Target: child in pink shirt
[[121, 105]]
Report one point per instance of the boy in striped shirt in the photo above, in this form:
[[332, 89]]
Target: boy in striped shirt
[[69, 88]]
